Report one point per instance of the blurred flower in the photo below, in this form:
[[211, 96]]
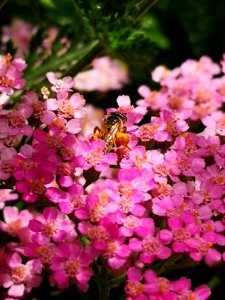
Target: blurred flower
[[107, 74]]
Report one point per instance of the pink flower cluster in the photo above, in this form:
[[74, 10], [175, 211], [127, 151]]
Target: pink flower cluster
[[11, 72], [106, 74], [20, 33], [132, 211]]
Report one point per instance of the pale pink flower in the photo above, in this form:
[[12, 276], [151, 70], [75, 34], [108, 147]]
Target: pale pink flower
[[58, 84], [11, 74], [111, 74], [14, 220], [20, 278], [7, 195]]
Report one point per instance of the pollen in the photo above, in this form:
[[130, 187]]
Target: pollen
[[134, 288], [71, 267], [37, 186], [46, 253], [18, 274], [49, 229], [122, 139], [45, 92]]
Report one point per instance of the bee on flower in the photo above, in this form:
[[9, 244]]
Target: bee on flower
[[112, 131]]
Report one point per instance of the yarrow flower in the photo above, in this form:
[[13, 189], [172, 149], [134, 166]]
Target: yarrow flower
[[111, 74], [19, 278], [11, 74], [152, 202]]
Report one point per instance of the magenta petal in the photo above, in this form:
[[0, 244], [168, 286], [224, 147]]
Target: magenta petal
[[165, 236], [65, 207], [60, 236], [174, 222], [54, 194], [35, 225], [213, 256], [65, 181], [179, 247], [220, 240], [164, 253], [111, 159], [116, 262], [203, 292], [150, 276], [135, 245], [126, 231], [22, 187], [196, 256], [6, 280], [181, 284], [81, 214], [141, 231], [84, 276], [138, 210], [52, 104], [62, 279], [30, 198], [134, 273], [147, 258], [50, 213], [124, 251]]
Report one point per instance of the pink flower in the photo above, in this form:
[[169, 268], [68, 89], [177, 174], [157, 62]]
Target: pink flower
[[93, 153], [72, 263], [14, 220], [6, 163], [202, 292], [215, 124], [111, 75], [150, 247], [20, 278], [72, 107], [20, 33], [134, 287], [34, 185], [107, 239], [39, 109], [43, 253], [11, 74], [156, 130], [7, 195], [74, 199], [152, 99], [133, 114], [64, 84], [52, 225]]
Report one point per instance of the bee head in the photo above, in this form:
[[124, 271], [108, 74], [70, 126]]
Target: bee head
[[115, 117]]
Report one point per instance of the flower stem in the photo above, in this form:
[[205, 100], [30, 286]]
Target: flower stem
[[103, 285], [103, 289], [143, 8], [2, 3]]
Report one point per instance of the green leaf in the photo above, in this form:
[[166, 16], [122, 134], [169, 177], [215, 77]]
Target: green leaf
[[48, 3], [72, 57]]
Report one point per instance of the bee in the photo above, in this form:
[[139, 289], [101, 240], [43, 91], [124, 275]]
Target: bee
[[113, 131]]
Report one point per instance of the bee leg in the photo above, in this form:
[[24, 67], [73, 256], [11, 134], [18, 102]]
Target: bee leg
[[96, 133], [96, 129], [124, 129]]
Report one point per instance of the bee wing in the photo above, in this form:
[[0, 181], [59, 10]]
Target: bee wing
[[110, 137]]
